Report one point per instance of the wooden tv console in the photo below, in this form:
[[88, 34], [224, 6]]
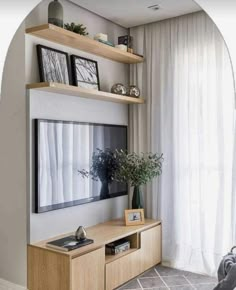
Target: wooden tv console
[[89, 268]]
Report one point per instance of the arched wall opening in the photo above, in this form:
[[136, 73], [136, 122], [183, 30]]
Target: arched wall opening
[[15, 204]]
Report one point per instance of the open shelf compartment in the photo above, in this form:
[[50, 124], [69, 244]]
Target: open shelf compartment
[[134, 240]]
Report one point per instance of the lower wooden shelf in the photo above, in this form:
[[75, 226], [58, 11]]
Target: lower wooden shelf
[[83, 93]]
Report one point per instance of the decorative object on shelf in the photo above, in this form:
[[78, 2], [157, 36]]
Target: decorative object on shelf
[[80, 234], [134, 91], [119, 89], [122, 47], [117, 247], [134, 217], [104, 167], [106, 42], [76, 28], [53, 65], [68, 243], [137, 169], [55, 13], [101, 36], [126, 40], [85, 72]]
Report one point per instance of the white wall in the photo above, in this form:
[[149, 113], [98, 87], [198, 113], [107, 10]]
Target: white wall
[[13, 184], [61, 107]]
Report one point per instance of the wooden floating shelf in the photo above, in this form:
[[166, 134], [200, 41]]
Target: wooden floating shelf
[[62, 36], [83, 93]]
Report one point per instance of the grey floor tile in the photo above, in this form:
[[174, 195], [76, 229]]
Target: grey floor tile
[[151, 282], [131, 285], [175, 280], [199, 279], [166, 271], [149, 273], [157, 288], [205, 286], [189, 287]]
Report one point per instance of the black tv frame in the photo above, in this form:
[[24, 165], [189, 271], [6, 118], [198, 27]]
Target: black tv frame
[[44, 209]]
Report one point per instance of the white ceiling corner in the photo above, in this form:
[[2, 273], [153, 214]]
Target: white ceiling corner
[[130, 13]]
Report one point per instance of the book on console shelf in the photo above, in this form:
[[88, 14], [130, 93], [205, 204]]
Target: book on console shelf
[[117, 247], [68, 244]]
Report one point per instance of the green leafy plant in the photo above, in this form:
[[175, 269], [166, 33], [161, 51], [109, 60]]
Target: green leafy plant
[[76, 28], [104, 166], [137, 169]]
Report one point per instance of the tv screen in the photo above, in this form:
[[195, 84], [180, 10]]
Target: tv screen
[[63, 150]]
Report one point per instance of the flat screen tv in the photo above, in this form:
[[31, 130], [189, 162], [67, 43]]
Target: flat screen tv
[[63, 148]]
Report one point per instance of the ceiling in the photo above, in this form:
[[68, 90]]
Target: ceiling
[[129, 13]]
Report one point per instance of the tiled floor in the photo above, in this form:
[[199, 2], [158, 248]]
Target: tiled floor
[[163, 278]]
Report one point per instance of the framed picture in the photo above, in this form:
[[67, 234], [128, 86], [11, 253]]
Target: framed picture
[[85, 72], [53, 65], [134, 217]]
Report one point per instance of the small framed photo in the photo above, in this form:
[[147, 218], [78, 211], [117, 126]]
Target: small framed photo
[[85, 72], [53, 65], [134, 217]]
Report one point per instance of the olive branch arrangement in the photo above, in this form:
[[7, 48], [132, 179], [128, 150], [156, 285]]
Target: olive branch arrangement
[[118, 165]]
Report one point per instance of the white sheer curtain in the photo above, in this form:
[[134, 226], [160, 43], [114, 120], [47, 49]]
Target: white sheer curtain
[[189, 116]]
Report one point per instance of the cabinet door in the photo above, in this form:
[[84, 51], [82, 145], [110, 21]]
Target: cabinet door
[[150, 247], [47, 270], [88, 271]]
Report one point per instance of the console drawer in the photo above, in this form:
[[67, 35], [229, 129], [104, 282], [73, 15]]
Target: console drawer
[[122, 270]]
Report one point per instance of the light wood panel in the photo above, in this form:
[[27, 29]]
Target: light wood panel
[[150, 247], [103, 234], [122, 270], [112, 258], [127, 267], [62, 36], [88, 268], [48, 270], [83, 93], [88, 271]]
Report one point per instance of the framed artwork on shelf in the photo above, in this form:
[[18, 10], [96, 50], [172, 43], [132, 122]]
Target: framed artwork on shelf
[[134, 217], [53, 65], [85, 72]]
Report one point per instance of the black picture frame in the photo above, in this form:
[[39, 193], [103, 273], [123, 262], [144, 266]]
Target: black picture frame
[[53, 65], [85, 72]]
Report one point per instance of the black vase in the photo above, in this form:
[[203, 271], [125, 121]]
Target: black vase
[[55, 13], [104, 192], [137, 200]]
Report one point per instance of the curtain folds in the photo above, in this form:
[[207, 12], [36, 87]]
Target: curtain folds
[[189, 116]]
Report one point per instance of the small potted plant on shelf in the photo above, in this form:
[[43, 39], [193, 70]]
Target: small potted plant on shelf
[[103, 168], [76, 28], [137, 169]]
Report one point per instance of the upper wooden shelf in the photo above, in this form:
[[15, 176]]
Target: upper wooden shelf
[[62, 36], [83, 93]]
